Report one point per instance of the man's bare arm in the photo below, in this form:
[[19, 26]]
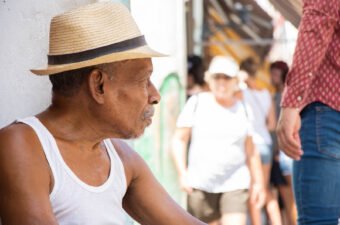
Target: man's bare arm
[[25, 178], [146, 200]]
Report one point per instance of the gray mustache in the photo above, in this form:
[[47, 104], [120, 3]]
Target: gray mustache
[[149, 113]]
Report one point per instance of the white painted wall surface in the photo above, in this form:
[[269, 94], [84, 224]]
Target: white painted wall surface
[[163, 24], [24, 27]]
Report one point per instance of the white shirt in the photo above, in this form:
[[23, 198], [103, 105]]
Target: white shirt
[[260, 102], [75, 202], [217, 160]]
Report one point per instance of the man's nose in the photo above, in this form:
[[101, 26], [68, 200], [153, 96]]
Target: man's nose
[[154, 95]]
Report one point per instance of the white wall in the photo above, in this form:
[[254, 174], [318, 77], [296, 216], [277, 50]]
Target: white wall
[[24, 27], [163, 24]]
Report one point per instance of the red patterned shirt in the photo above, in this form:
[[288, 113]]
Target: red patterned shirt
[[315, 72]]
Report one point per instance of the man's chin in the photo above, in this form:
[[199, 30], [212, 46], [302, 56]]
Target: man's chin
[[148, 122], [140, 132], [137, 134]]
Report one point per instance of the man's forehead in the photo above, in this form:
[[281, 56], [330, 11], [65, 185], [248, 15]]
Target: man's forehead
[[144, 63], [132, 68]]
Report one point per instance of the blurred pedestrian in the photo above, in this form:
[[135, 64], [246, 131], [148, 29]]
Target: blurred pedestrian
[[282, 178], [195, 78], [223, 167], [263, 108], [309, 124]]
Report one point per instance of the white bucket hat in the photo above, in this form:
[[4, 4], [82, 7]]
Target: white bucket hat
[[222, 65], [94, 34]]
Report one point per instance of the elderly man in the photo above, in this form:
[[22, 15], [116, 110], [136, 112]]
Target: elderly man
[[60, 166]]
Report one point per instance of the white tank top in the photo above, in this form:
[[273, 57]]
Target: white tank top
[[75, 202]]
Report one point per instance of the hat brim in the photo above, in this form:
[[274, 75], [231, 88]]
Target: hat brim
[[137, 53], [208, 75]]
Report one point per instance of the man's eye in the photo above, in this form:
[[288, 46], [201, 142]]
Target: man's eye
[[147, 83], [144, 83]]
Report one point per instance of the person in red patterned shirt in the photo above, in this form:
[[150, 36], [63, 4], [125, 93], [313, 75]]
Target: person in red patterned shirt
[[309, 124]]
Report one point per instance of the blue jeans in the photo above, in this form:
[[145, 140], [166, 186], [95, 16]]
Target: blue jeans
[[317, 174]]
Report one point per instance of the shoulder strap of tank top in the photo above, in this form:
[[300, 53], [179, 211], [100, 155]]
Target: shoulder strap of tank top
[[46, 145], [42, 135], [117, 164]]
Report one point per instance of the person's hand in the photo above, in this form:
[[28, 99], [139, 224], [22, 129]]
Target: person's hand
[[184, 184], [257, 195], [288, 132]]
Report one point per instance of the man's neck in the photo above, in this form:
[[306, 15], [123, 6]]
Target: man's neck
[[71, 124]]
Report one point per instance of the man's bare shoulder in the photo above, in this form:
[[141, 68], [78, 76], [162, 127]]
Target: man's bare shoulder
[[146, 200], [21, 152], [25, 177], [130, 159], [124, 151], [16, 137]]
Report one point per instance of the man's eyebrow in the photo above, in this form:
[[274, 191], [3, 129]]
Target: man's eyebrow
[[146, 72], [143, 75], [149, 71]]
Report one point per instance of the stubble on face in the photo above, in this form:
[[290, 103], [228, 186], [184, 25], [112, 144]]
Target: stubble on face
[[134, 111]]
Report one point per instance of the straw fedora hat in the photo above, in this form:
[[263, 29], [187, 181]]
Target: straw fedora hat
[[94, 34]]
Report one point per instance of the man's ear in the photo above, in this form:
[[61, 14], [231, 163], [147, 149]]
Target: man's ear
[[96, 85]]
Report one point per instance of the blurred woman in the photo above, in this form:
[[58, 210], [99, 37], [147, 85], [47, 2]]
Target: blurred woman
[[278, 73], [195, 78], [223, 168], [263, 108]]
